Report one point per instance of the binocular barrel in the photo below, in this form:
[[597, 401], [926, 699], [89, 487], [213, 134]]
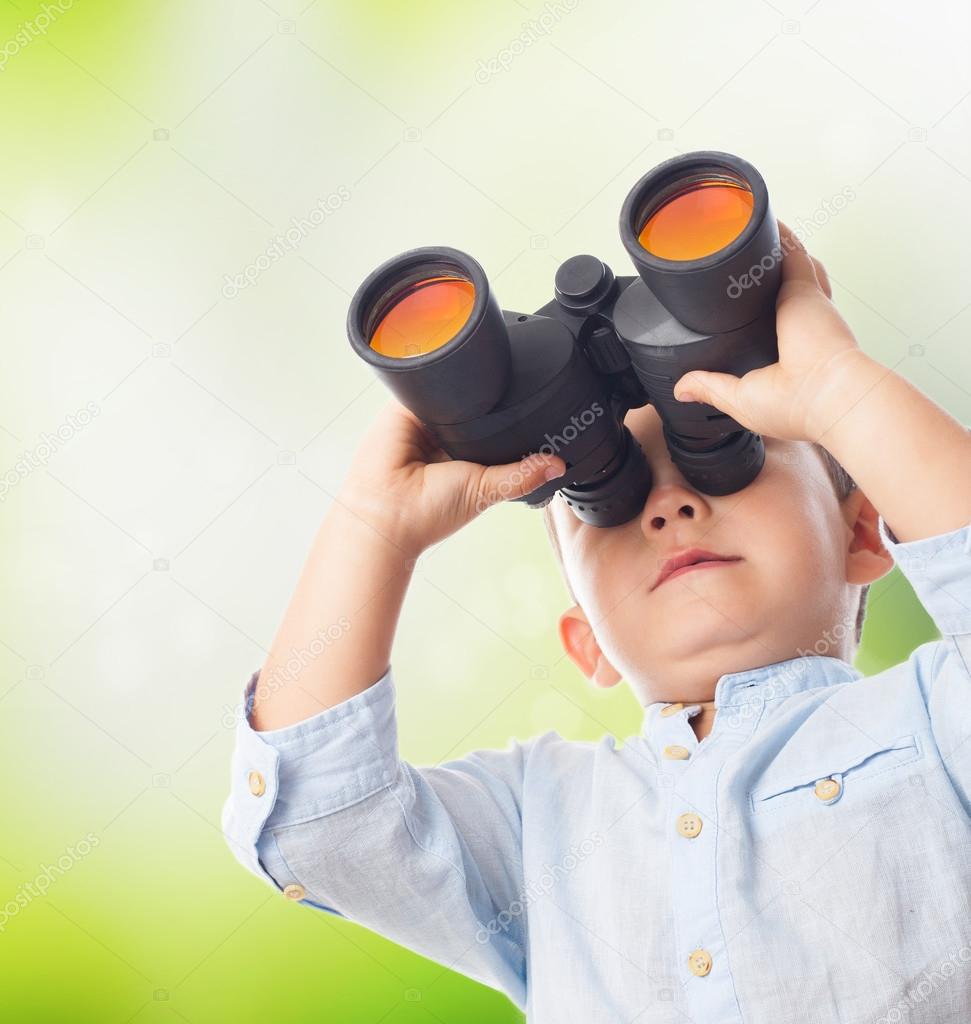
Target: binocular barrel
[[493, 386], [696, 225], [430, 327]]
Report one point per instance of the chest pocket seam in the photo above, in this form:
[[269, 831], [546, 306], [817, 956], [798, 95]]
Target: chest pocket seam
[[855, 769]]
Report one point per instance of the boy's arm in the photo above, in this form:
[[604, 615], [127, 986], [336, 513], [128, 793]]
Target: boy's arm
[[909, 456], [401, 496], [335, 638], [429, 857], [321, 806]]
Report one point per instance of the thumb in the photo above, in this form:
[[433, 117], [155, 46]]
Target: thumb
[[716, 389], [514, 479]]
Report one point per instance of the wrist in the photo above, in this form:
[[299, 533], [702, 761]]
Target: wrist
[[836, 388], [376, 522]]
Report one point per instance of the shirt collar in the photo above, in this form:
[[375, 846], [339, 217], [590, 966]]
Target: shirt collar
[[757, 685]]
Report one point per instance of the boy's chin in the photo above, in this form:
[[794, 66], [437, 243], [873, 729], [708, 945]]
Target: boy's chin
[[705, 639]]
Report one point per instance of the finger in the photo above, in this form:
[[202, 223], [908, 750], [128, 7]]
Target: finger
[[716, 389], [515, 479], [392, 407], [797, 264], [402, 420], [822, 277]]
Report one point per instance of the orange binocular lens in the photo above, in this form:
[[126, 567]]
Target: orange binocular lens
[[425, 316], [703, 218]]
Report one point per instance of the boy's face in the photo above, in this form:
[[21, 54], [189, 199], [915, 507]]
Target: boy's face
[[797, 550]]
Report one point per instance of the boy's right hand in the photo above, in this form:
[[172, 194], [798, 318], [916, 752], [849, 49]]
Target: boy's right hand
[[403, 485]]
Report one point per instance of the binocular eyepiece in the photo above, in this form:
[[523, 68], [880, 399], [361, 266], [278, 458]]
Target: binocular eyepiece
[[492, 386]]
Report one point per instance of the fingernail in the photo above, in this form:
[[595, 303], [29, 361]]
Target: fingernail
[[551, 473], [687, 396]]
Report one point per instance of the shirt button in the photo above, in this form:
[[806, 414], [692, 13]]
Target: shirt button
[[671, 709], [294, 892], [826, 789], [689, 825], [676, 752], [257, 784], [699, 962]]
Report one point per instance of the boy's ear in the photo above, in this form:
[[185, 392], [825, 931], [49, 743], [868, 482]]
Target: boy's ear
[[582, 647], [867, 558]]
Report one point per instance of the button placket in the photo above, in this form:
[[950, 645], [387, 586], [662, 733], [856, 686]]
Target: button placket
[[673, 736], [693, 810]]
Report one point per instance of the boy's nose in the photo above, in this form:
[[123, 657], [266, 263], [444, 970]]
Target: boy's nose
[[671, 503]]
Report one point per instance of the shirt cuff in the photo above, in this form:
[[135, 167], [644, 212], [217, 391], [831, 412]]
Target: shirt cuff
[[939, 570], [302, 771]]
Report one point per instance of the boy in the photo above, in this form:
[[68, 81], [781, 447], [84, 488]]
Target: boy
[[785, 841]]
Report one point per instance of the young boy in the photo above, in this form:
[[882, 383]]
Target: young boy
[[785, 840]]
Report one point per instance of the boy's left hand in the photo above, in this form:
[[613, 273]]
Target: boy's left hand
[[815, 343]]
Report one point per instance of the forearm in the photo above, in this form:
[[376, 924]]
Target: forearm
[[335, 638], [909, 456]]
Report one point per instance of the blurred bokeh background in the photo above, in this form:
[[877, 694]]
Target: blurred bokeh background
[[182, 405]]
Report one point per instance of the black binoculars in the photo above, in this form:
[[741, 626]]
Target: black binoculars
[[493, 386]]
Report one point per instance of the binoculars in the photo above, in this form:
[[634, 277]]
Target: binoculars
[[493, 386]]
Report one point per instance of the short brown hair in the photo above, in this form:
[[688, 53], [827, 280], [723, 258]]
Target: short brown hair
[[843, 485]]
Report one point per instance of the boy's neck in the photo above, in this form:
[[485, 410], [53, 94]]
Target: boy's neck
[[704, 719]]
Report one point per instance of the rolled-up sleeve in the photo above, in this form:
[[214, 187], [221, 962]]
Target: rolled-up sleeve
[[939, 570], [326, 812]]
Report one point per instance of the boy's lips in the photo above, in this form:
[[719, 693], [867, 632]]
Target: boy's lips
[[688, 557]]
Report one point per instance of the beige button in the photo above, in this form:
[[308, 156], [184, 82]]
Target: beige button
[[257, 784], [826, 789], [676, 752], [699, 962], [689, 825], [294, 892], [671, 709]]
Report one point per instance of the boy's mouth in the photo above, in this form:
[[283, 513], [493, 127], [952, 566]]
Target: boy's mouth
[[688, 559]]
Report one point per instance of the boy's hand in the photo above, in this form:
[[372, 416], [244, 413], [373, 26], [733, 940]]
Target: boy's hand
[[815, 344], [403, 485]]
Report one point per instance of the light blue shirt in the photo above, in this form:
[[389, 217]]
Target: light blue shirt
[[807, 862]]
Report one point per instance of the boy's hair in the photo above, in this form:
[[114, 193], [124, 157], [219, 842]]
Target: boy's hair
[[843, 485]]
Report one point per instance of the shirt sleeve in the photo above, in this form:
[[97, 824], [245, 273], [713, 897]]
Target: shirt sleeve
[[939, 570], [326, 812]]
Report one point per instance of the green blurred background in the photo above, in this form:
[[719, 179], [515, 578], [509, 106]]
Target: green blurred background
[[151, 153]]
